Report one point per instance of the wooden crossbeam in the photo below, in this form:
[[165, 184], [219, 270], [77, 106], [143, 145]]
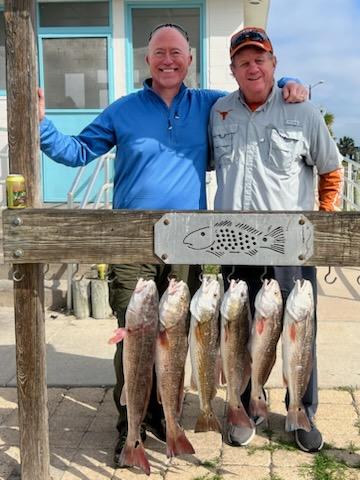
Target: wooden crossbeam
[[118, 236]]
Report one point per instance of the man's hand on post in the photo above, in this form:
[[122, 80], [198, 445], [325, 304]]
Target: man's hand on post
[[41, 104]]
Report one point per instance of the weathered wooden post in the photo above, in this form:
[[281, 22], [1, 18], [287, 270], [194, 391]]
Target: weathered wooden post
[[20, 27]]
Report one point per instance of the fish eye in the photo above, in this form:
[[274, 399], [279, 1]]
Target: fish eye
[[202, 234]]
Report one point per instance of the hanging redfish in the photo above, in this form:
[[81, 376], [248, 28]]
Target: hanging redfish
[[139, 335], [297, 343], [265, 334], [235, 356], [171, 351], [204, 343]]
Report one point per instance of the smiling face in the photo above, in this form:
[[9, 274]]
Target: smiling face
[[253, 69], [169, 59]]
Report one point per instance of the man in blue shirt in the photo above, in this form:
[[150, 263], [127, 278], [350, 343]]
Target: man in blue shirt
[[161, 139]]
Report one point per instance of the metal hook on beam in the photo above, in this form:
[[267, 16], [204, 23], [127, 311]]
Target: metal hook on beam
[[16, 277], [263, 275], [326, 277], [228, 278]]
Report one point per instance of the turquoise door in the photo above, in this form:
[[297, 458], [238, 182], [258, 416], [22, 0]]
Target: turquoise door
[[76, 73]]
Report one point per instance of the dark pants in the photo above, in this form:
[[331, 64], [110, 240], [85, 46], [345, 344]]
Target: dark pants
[[123, 279], [285, 276]]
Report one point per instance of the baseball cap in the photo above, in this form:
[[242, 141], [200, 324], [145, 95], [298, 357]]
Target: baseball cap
[[250, 36]]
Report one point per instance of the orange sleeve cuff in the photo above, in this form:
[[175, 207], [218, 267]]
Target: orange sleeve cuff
[[330, 190]]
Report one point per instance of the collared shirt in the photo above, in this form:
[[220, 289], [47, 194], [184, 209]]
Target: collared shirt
[[265, 159], [161, 152]]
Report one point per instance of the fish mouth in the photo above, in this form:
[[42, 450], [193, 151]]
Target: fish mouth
[[191, 245]]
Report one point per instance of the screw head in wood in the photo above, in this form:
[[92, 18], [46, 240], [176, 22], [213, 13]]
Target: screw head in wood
[[17, 221], [18, 253]]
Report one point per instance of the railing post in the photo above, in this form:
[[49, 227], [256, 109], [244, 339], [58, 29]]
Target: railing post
[[23, 139]]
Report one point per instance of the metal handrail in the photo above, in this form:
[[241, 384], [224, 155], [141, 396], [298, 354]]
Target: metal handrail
[[351, 191], [102, 163]]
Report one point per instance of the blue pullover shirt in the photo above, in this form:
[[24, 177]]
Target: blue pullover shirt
[[161, 152]]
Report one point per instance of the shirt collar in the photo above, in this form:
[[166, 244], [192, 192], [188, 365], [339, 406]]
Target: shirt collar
[[264, 105], [148, 86]]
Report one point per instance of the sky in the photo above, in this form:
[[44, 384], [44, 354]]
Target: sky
[[317, 40]]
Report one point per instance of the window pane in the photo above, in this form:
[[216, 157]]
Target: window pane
[[75, 72], [74, 14], [2, 52], [145, 19]]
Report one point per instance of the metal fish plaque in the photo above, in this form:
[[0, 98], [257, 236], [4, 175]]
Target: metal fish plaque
[[234, 238]]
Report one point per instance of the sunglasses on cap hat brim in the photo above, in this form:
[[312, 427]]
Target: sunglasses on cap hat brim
[[251, 37]]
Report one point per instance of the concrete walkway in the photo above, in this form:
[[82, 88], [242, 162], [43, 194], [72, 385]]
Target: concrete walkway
[[82, 415]]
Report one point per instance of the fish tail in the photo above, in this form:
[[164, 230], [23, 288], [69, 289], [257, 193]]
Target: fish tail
[[297, 419], [206, 422], [278, 240], [177, 443], [134, 455], [258, 407], [238, 416]]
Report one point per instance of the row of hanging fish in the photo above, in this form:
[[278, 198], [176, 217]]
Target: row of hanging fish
[[157, 332]]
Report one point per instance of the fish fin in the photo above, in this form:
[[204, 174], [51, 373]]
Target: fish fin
[[198, 335], [238, 416], [135, 456], [207, 422], [177, 443], [285, 381], [123, 396], [292, 332], [297, 419], [258, 407], [120, 334], [260, 325], [163, 339]]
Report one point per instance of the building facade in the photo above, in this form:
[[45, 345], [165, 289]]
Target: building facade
[[92, 52]]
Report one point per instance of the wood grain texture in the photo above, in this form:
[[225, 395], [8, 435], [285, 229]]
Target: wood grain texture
[[119, 236], [23, 139]]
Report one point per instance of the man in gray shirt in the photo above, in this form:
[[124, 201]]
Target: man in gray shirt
[[265, 152]]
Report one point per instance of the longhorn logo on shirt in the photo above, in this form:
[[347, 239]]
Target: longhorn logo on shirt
[[223, 114]]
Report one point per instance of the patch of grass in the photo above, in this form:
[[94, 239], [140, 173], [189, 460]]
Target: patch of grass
[[209, 477], [272, 447], [268, 431], [273, 477], [213, 463], [324, 468]]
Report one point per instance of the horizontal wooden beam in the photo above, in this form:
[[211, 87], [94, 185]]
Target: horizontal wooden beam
[[122, 236]]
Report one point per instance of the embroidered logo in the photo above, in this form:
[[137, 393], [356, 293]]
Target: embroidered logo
[[223, 114], [293, 123]]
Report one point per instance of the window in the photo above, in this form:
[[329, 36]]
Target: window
[[75, 72], [2, 53], [74, 14], [143, 20]]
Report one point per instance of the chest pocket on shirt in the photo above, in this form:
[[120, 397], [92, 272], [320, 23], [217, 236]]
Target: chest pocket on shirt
[[223, 142], [284, 149]]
